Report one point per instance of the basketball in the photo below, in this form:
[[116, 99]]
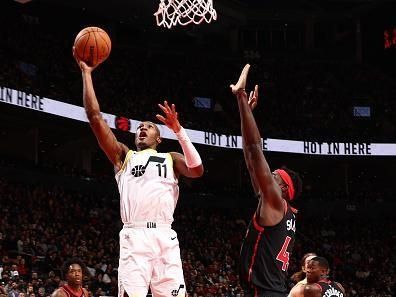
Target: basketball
[[92, 45]]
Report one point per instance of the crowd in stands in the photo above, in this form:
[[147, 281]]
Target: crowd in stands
[[300, 98], [42, 226]]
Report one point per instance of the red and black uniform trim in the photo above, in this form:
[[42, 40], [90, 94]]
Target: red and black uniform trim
[[329, 288], [264, 256], [70, 293]]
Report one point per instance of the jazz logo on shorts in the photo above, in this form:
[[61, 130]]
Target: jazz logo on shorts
[[175, 293]]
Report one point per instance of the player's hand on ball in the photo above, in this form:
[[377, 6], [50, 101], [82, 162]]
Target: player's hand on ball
[[83, 66], [171, 117], [253, 98]]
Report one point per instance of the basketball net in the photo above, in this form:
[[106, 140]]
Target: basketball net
[[183, 12]]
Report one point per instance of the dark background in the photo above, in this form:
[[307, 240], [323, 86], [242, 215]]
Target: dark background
[[313, 60]]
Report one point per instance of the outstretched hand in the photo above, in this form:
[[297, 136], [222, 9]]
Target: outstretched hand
[[239, 88], [171, 117], [83, 66], [253, 98]]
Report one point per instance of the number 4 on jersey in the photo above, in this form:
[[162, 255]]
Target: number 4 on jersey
[[283, 255]]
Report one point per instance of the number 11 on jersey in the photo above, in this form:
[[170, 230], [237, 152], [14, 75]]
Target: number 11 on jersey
[[162, 169]]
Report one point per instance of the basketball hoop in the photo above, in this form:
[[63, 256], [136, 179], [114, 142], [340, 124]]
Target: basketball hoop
[[183, 12]]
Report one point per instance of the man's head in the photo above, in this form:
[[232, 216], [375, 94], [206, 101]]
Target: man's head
[[15, 274], [73, 271], [289, 181], [5, 276], [147, 136], [41, 292], [14, 285], [57, 279], [305, 260], [317, 269]]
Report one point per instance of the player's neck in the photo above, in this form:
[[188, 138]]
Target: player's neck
[[139, 149], [75, 288]]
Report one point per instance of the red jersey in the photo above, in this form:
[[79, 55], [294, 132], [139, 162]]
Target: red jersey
[[71, 293]]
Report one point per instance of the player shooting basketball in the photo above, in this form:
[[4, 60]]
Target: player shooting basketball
[[148, 186]]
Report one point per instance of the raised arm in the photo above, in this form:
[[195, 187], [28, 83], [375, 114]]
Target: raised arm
[[114, 150], [189, 164], [253, 99], [257, 165]]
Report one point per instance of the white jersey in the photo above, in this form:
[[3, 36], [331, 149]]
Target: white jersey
[[148, 187]]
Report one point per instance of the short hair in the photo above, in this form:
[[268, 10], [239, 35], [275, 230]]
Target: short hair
[[68, 263], [323, 263], [296, 179], [155, 126]]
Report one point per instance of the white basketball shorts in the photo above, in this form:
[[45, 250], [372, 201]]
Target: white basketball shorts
[[150, 257]]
